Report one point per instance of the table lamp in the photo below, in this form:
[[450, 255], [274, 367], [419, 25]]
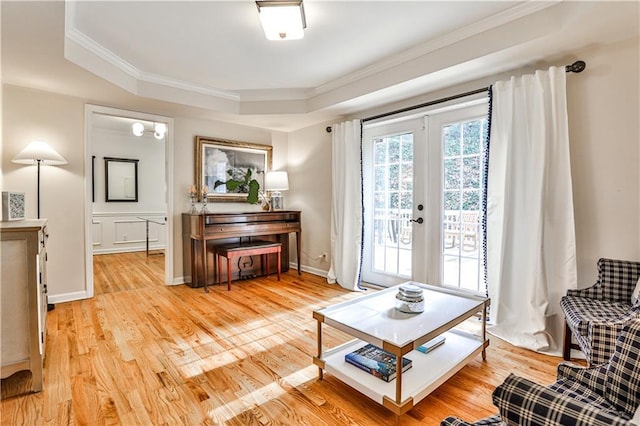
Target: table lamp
[[276, 182]]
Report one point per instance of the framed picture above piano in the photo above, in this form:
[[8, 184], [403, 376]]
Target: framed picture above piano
[[219, 160]]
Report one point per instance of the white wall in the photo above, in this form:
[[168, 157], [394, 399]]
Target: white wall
[[58, 120], [604, 131], [150, 155], [116, 227], [309, 167], [603, 114], [186, 129]]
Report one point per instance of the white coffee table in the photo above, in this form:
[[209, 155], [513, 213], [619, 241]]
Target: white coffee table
[[373, 319]]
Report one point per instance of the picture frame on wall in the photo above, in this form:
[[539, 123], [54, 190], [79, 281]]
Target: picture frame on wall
[[13, 206], [219, 160]]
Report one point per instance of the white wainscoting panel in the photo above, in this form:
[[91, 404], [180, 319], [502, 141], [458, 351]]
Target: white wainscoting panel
[[96, 228], [125, 232]]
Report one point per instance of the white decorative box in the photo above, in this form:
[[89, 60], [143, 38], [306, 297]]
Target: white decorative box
[[12, 205]]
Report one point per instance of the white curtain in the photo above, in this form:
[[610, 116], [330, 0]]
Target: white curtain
[[530, 227], [346, 206]]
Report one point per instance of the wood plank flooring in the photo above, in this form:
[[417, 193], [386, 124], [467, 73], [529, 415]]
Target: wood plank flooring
[[127, 271], [141, 353]]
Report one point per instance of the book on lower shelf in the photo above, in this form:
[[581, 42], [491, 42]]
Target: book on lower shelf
[[377, 362], [431, 344]]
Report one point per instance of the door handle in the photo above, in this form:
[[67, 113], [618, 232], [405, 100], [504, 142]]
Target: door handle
[[418, 220]]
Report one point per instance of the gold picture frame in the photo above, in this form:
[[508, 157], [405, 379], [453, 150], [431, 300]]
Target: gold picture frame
[[218, 160]]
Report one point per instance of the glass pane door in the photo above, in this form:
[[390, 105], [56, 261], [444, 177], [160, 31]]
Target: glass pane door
[[393, 201], [389, 182], [461, 139]]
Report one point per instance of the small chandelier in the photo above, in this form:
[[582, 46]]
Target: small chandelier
[[159, 129], [282, 19]]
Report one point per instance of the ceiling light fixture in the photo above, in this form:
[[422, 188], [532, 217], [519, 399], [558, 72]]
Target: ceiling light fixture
[[282, 19], [159, 129], [137, 129]]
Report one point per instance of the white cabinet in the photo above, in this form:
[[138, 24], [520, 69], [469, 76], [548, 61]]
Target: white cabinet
[[23, 298]]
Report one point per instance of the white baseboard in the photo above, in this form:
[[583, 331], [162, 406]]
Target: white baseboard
[[125, 250], [67, 297], [180, 280], [309, 269]]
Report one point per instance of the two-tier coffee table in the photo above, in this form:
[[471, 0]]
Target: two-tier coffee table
[[373, 319]]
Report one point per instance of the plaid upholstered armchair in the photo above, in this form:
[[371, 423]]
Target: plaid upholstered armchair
[[596, 315], [603, 395]]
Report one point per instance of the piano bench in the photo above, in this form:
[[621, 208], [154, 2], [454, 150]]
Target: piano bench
[[251, 248]]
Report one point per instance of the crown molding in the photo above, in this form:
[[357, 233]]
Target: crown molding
[[86, 52], [92, 47], [190, 87]]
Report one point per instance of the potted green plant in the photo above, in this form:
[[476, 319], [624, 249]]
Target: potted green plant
[[247, 185]]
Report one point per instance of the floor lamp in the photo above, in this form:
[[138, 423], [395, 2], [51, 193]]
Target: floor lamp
[[39, 153]]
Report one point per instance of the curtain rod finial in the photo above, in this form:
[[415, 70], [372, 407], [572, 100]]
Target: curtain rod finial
[[328, 129], [577, 67]]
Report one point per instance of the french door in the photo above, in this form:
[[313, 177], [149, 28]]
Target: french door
[[457, 147], [422, 192], [393, 181]]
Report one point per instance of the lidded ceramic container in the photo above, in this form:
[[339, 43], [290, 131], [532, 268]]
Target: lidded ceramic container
[[409, 299]]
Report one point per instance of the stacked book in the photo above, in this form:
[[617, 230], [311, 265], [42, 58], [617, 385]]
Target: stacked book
[[431, 344], [377, 362], [382, 364]]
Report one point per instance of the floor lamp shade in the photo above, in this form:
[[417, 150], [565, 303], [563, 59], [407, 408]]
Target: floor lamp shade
[[38, 153]]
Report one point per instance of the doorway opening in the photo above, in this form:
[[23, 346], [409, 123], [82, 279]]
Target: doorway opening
[[128, 212]]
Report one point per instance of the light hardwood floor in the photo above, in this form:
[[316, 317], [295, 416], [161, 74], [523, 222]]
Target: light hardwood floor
[[127, 271], [143, 353]]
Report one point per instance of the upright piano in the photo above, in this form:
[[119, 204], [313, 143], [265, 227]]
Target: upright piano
[[201, 232]]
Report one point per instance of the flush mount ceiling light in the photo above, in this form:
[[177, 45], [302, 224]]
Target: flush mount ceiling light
[[282, 19]]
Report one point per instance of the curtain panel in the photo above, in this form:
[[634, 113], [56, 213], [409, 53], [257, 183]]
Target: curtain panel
[[346, 205], [531, 260]]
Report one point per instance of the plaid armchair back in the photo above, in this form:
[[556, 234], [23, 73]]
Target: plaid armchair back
[[616, 281], [623, 377], [605, 395]]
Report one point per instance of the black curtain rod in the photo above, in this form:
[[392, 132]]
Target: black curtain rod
[[426, 104], [577, 67]]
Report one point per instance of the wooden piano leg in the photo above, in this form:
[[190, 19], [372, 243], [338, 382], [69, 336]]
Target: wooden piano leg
[[298, 250], [219, 268], [204, 264], [279, 254], [228, 272]]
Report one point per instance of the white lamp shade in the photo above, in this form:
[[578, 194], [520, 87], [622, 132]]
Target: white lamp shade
[[39, 151], [282, 20], [276, 181]]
